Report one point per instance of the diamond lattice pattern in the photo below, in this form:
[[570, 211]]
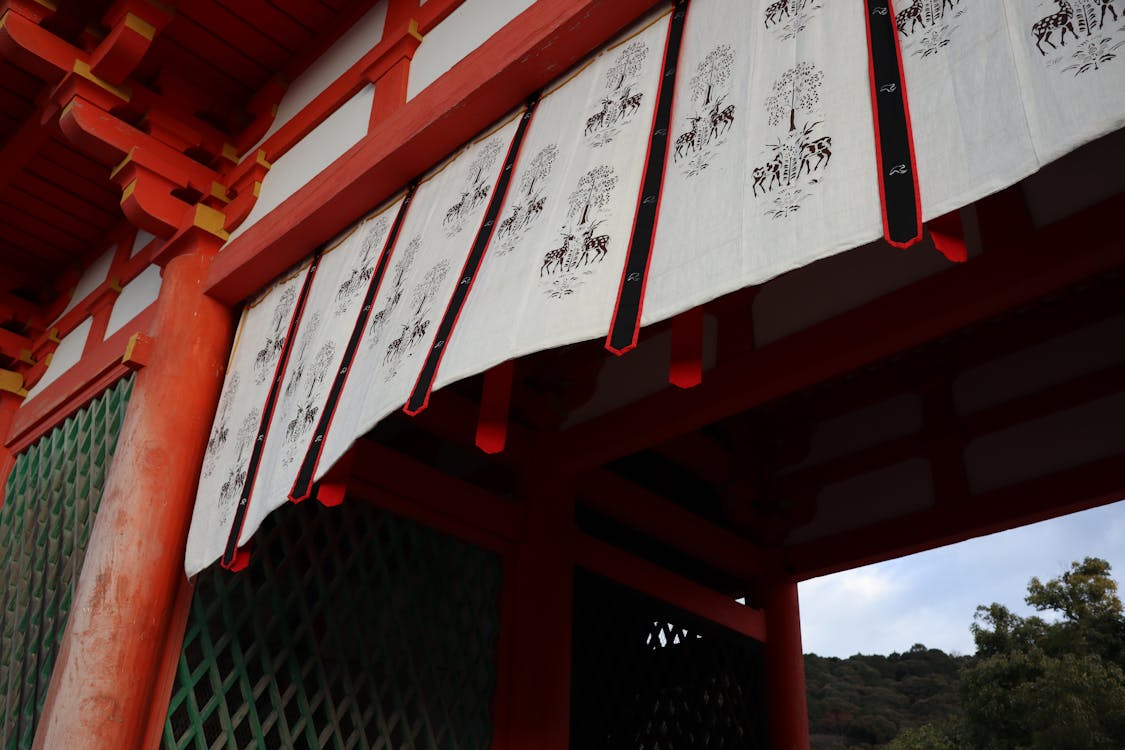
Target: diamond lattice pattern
[[648, 676], [352, 628], [50, 502]]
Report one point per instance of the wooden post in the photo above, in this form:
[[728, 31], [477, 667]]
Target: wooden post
[[542, 603], [103, 686], [785, 668], [9, 402]]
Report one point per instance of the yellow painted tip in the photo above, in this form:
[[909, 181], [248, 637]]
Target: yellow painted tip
[[140, 25], [115, 284], [128, 158], [128, 191], [82, 68], [219, 191], [260, 157], [211, 220], [230, 153], [412, 29], [26, 357], [12, 382], [53, 336]]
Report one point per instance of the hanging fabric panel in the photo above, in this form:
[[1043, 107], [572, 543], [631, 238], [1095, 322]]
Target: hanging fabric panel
[[252, 369], [773, 154], [436, 238], [771, 165], [337, 293], [553, 272]]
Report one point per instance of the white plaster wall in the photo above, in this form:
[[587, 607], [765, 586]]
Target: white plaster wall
[[67, 354], [326, 143], [134, 298], [91, 278], [463, 31], [346, 52], [139, 242]]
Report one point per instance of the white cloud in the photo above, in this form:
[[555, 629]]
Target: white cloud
[[930, 597]]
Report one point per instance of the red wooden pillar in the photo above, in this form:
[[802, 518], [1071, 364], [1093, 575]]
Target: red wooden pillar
[[102, 689], [785, 668], [538, 698], [9, 402]]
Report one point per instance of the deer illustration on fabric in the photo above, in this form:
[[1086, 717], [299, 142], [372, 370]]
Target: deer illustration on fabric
[[352, 287], [527, 201], [413, 332], [565, 268], [938, 22], [1094, 44], [220, 430], [775, 11], [618, 102], [799, 156], [709, 119], [912, 16], [231, 488], [785, 19], [1062, 20], [686, 143], [476, 186], [274, 340]]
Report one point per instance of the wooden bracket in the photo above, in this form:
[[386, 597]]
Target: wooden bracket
[[12, 382], [138, 352]]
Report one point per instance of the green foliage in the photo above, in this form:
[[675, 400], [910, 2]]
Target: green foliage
[[1036, 683]]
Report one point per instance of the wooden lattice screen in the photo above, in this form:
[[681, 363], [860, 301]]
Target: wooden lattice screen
[[352, 628], [51, 500], [648, 676]]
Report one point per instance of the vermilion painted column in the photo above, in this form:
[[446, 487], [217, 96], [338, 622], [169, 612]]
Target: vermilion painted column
[[103, 684], [785, 668], [9, 402]]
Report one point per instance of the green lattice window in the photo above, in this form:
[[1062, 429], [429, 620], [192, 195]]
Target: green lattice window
[[352, 628], [50, 502]]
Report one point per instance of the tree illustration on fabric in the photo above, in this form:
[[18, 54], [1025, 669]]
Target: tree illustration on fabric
[[528, 200], [627, 64], [582, 249], [476, 186], [593, 191], [403, 262], [713, 72], [539, 168], [305, 416], [350, 288], [413, 330], [799, 155], [220, 430], [710, 117], [231, 488], [274, 340], [798, 89]]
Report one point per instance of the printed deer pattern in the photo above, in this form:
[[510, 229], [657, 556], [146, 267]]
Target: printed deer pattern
[[710, 116], [1093, 28], [798, 157], [265, 359], [566, 268], [787, 18], [926, 27], [235, 477], [476, 185], [352, 288], [619, 102], [526, 202]]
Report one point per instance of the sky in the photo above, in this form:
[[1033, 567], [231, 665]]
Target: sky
[[930, 597]]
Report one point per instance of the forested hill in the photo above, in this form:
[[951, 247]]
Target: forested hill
[[865, 701], [1034, 683]]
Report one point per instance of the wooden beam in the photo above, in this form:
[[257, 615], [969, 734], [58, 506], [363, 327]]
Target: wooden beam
[[653, 580], [935, 307], [625, 502]]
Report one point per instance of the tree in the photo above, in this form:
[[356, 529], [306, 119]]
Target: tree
[[594, 189], [627, 64], [925, 737], [484, 160], [714, 70], [797, 88], [538, 168], [1057, 685]]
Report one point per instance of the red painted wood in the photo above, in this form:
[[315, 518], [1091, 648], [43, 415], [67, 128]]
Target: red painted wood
[[686, 368], [621, 500], [528, 53], [496, 398], [76, 387], [542, 590], [982, 288], [786, 703], [123, 604], [653, 580]]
